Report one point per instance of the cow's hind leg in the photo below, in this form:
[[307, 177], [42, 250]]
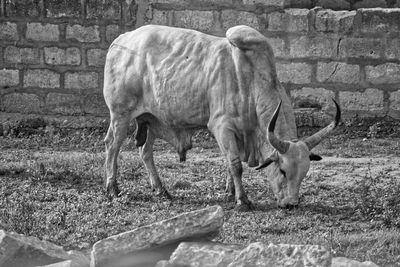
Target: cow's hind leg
[[141, 133], [115, 136], [146, 153]]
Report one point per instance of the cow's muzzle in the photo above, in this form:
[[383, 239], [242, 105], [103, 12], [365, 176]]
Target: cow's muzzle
[[288, 203]]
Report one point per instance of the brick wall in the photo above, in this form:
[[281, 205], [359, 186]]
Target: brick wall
[[52, 51]]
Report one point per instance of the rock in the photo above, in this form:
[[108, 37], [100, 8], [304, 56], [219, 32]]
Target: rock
[[311, 117], [334, 4], [370, 4], [155, 242], [258, 254], [204, 254], [345, 262], [211, 254], [58, 264], [19, 250], [165, 263]]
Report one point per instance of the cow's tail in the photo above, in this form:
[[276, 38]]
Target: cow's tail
[[246, 38]]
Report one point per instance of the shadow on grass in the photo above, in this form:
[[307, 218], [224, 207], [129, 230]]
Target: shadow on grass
[[328, 210]]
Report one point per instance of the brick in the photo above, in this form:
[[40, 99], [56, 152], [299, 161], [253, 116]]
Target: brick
[[13, 54], [96, 57], [22, 8], [193, 19], [360, 48], [394, 100], [291, 20], [112, 32], [278, 46], [65, 104], [323, 47], [160, 17], [41, 78], [105, 9], [42, 32], [393, 49], [334, 21], [320, 47], [129, 10], [299, 4], [9, 77], [369, 4], [62, 8], [298, 73], [338, 72], [95, 104], [333, 4], [196, 3], [275, 3], [81, 80], [369, 100], [83, 34], [8, 31], [62, 56], [20, 103], [308, 97], [384, 73], [298, 47], [377, 20], [232, 18]]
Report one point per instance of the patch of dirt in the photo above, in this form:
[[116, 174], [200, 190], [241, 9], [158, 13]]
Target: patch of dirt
[[52, 187]]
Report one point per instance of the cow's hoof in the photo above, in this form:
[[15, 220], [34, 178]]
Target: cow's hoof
[[113, 191], [138, 144], [163, 193], [242, 206], [230, 197], [182, 157]]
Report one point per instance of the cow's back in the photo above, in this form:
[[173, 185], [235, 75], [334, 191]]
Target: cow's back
[[171, 72]]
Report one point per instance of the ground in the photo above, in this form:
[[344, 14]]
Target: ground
[[51, 186]]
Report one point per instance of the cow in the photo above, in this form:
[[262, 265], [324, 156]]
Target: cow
[[173, 81]]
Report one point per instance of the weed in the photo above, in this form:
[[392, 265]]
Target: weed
[[377, 198], [18, 214], [58, 194]]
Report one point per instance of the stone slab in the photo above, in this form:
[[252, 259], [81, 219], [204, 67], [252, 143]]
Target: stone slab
[[196, 224], [19, 250]]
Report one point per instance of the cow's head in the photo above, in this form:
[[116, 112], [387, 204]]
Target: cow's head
[[292, 160]]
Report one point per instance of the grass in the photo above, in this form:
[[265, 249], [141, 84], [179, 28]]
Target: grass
[[51, 187]]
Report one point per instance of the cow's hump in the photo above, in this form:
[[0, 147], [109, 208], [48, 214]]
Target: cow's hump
[[247, 38]]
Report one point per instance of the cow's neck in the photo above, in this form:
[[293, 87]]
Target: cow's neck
[[256, 76], [285, 127]]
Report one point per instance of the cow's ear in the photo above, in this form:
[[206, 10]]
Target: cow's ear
[[273, 157], [315, 157], [265, 164]]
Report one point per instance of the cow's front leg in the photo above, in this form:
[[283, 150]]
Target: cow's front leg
[[146, 153], [227, 141], [115, 136], [242, 202], [230, 187]]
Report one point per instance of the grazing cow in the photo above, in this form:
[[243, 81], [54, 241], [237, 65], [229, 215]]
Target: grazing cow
[[174, 81]]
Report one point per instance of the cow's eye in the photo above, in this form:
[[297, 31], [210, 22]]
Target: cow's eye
[[283, 172]]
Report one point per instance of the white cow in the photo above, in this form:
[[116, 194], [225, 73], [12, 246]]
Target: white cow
[[174, 81]]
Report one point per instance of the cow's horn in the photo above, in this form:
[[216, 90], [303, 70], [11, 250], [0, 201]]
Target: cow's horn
[[316, 138], [280, 145]]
